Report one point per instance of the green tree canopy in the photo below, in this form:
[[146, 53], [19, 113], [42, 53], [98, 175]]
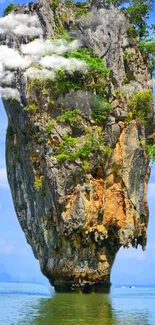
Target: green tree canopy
[[9, 8], [138, 12]]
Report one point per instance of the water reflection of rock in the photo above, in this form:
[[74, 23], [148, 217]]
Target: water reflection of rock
[[92, 309], [75, 309]]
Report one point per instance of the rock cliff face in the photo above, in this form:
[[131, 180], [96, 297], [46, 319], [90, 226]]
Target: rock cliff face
[[79, 183]]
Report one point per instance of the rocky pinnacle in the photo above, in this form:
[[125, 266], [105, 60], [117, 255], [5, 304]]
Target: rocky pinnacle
[[77, 213]]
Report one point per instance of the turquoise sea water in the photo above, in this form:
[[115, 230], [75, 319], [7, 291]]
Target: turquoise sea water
[[27, 304]]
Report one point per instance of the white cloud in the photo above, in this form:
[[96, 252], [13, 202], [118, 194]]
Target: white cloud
[[40, 47], [6, 77], [47, 53], [23, 30], [11, 58], [20, 24], [9, 93], [1, 67], [34, 73], [33, 54], [3, 178], [59, 62]]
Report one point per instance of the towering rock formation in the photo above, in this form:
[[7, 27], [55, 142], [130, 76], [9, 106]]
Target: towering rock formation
[[77, 165]]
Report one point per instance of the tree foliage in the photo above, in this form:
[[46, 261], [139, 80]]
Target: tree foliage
[[150, 149], [9, 9], [138, 12], [147, 47], [140, 104]]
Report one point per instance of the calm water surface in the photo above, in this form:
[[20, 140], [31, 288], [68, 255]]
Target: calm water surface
[[23, 304]]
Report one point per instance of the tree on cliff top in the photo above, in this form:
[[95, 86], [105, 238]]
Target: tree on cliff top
[[9, 9], [138, 12]]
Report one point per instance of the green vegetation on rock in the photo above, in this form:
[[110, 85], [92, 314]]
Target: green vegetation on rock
[[38, 184], [54, 4], [62, 33], [49, 127], [147, 47], [137, 11], [132, 34], [9, 9], [71, 148], [66, 82], [70, 117], [81, 11], [100, 110], [94, 81], [95, 64], [140, 104], [31, 108], [67, 142], [128, 55], [150, 149]]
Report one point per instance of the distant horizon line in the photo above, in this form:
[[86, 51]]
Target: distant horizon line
[[113, 285]]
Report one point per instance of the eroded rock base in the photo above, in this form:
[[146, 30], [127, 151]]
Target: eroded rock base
[[98, 287]]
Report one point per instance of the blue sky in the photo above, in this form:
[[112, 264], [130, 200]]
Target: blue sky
[[131, 265]]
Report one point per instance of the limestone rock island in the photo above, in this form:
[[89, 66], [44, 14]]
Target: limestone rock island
[[77, 91]]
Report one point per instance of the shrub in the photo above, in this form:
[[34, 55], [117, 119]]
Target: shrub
[[70, 117], [84, 151], [62, 33], [94, 80], [54, 4], [69, 3], [95, 64], [62, 157], [81, 4], [42, 86], [100, 110], [81, 11], [85, 165], [147, 47], [128, 55], [150, 149], [132, 34], [38, 184], [67, 142], [107, 151], [49, 127], [141, 103], [81, 153], [126, 80], [9, 9], [65, 82], [69, 152], [31, 108]]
